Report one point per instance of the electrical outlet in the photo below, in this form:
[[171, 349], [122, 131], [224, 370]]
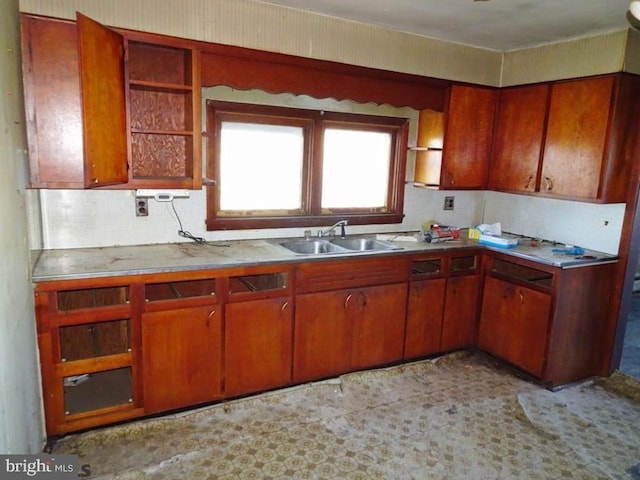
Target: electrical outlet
[[448, 203], [142, 207]]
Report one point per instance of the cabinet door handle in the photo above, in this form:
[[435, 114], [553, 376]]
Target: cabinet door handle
[[346, 300], [548, 183], [211, 314], [526, 185], [284, 306], [521, 296]]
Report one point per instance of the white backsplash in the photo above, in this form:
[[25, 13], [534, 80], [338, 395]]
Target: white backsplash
[[593, 226], [78, 218], [98, 218]]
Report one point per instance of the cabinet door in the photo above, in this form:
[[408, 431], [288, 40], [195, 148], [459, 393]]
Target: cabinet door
[[322, 339], [182, 357], [52, 102], [378, 325], [424, 317], [258, 345], [576, 136], [518, 138], [513, 324], [104, 117], [460, 312], [467, 137]]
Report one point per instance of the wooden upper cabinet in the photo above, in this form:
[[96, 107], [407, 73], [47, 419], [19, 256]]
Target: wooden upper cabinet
[[165, 113], [104, 117], [518, 137], [467, 137], [576, 137], [428, 163], [588, 147], [52, 102], [110, 109], [569, 139]]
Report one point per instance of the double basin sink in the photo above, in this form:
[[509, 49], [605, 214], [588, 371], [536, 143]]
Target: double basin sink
[[319, 246]]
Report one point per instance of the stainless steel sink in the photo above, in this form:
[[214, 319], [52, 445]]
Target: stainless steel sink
[[363, 244], [313, 246], [319, 246]]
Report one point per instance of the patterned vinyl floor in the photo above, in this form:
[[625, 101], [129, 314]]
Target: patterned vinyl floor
[[458, 417]]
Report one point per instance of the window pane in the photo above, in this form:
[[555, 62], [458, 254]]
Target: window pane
[[260, 167], [355, 168]]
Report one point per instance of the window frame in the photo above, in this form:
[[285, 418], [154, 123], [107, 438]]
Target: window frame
[[313, 123]]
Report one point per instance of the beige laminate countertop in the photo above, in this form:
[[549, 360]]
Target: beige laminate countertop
[[82, 263]]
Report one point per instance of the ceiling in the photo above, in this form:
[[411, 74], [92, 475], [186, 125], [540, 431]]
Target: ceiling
[[501, 25]]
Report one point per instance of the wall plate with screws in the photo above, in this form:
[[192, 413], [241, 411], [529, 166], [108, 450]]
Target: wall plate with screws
[[142, 207], [448, 203]]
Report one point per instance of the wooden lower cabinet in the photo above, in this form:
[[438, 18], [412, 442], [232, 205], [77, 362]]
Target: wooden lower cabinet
[[258, 345], [460, 312], [424, 317], [344, 330], [322, 339], [120, 348], [513, 324], [182, 357], [378, 331]]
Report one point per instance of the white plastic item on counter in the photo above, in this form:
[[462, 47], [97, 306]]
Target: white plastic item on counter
[[498, 241], [490, 229], [397, 237]]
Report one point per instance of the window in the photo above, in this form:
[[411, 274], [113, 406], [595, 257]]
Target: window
[[284, 167]]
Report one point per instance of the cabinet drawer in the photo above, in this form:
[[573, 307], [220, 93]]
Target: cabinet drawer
[[68, 300], [321, 276], [253, 286], [522, 274], [427, 267], [463, 264]]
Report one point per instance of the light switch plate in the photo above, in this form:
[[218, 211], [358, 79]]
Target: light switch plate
[[448, 203]]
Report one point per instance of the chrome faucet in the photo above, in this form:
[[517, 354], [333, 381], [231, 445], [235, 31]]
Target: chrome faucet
[[330, 230]]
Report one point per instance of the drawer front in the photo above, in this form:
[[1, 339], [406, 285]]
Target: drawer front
[[334, 275]]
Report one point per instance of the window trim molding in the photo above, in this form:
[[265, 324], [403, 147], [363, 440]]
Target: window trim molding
[[216, 111]]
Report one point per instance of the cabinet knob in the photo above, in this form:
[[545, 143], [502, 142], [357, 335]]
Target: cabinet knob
[[548, 183]]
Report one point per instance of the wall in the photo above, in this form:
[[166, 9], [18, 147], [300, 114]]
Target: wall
[[21, 421], [593, 226], [575, 58], [252, 24]]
